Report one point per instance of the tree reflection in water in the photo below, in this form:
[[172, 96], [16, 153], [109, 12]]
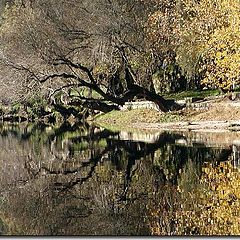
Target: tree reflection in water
[[83, 180]]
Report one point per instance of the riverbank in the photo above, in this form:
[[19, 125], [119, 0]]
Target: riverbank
[[222, 115]]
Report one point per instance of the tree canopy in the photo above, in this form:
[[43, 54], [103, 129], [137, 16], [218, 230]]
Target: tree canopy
[[111, 50], [99, 46]]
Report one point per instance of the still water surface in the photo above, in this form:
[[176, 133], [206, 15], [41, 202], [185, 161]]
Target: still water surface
[[85, 180]]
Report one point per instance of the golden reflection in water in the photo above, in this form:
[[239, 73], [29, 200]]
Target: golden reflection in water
[[208, 206]]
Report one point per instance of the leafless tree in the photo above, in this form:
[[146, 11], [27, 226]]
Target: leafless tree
[[54, 45]]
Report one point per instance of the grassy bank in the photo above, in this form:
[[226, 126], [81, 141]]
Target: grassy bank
[[220, 110], [117, 120], [192, 93]]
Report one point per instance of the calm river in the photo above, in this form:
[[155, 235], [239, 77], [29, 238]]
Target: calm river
[[85, 180]]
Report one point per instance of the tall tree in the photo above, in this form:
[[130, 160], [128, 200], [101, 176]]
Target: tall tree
[[65, 44]]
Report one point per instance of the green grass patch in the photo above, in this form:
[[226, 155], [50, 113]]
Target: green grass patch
[[116, 120], [192, 93]]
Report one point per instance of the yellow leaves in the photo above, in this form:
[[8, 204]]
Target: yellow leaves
[[222, 60], [206, 29], [210, 31]]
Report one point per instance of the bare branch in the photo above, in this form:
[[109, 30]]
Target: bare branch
[[67, 62], [60, 75]]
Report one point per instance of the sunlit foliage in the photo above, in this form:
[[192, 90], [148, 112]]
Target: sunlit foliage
[[204, 37], [223, 56]]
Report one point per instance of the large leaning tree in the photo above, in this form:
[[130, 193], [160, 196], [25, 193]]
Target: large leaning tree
[[97, 46]]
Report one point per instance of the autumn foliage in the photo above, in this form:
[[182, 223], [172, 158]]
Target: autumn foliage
[[204, 35], [161, 42]]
